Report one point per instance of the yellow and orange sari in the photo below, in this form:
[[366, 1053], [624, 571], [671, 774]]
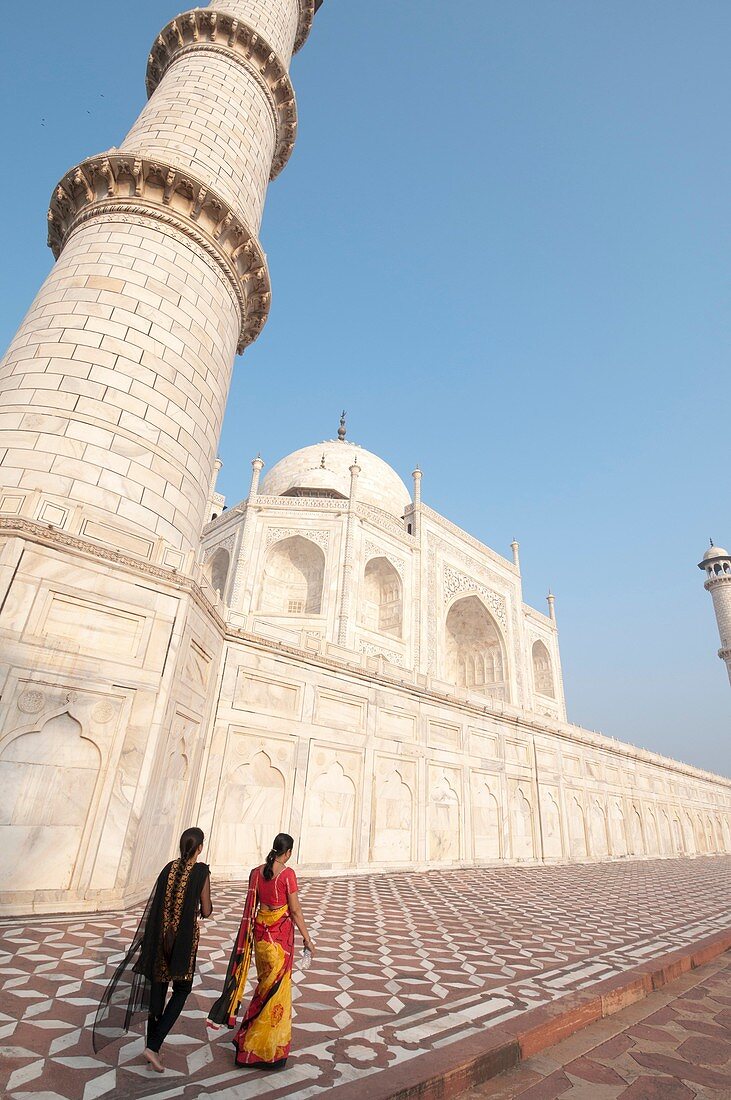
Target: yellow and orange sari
[[266, 1031]]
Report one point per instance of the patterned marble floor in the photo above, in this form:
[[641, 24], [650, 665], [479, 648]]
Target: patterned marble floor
[[405, 964], [675, 1045]]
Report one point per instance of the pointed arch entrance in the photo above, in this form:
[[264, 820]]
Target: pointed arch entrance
[[474, 652]]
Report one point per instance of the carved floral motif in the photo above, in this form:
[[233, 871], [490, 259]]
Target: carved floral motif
[[372, 650], [115, 183], [455, 582], [30, 702], [374, 551], [277, 534], [224, 544], [103, 712]]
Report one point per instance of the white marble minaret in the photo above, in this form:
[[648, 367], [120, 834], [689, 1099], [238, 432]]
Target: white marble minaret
[[112, 396], [716, 564]]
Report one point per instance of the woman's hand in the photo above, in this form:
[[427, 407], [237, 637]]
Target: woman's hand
[[309, 946]]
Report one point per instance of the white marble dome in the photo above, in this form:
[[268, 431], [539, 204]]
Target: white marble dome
[[325, 467], [715, 552]]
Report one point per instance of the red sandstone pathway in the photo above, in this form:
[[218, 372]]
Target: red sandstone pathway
[[407, 964], [675, 1045]]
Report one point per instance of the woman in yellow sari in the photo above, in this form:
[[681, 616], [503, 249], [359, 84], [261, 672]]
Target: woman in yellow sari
[[271, 912]]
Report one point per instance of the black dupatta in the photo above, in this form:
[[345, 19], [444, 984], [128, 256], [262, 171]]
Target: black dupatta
[[163, 950]]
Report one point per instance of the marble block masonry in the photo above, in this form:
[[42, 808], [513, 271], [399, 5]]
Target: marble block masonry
[[330, 656]]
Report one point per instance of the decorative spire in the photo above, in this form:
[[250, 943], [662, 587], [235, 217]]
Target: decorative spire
[[322, 462], [342, 429], [711, 542]]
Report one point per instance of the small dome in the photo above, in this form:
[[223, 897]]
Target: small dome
[[714, 552], [326, 467]]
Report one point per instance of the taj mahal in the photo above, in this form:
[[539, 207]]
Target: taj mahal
[[329, 656]]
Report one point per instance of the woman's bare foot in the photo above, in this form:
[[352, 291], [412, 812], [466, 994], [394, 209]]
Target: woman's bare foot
[[152, 1058]]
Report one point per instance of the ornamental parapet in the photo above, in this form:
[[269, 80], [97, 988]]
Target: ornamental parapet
[[114, 183], [215, 32]]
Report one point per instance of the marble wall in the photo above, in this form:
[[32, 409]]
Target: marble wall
[[366, 770]]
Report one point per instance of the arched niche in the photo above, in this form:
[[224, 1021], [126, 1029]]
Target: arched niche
[[521, 821], [294, 572], [444, 822], [701, 838], [169, 796], [710, 835], [617, 830], [636, 842], [688, 834], [250, 812], [551, 822], [726, 830], [393, 810], [598, 829], [543, 671], [486, 823], [217, 569], [577, 826], [329, 818], [382, 598], [653, 835], [678, 841], [474, 650], [47, 781]]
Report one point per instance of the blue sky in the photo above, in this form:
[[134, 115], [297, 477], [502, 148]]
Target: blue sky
[[502, 244]]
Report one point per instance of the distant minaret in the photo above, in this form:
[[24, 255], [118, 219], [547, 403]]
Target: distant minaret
[[716, 564]]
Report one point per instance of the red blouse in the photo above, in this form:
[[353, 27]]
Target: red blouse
[[274, 893]]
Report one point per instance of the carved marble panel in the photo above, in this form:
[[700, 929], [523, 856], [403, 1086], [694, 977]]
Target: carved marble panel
[[328, 832], [444, 838], [393, 811]]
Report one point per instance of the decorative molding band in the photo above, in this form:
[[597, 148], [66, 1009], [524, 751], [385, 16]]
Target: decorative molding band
[[16, 527], [217, 33], [382, 519], [304, 504], [114, 183], [304, 26]]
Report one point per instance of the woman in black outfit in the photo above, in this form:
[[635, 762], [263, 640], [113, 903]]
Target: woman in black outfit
[[164, 951]]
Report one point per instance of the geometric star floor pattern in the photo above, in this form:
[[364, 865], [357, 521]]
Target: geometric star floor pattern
[[405, 964]]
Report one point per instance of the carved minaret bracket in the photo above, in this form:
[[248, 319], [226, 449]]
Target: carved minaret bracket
[[215, 32], [117, 184]]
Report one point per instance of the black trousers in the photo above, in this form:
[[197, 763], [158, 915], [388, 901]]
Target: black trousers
[[162, 1016]]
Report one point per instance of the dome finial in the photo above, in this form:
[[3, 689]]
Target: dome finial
[[711, 541], [342, 429]]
